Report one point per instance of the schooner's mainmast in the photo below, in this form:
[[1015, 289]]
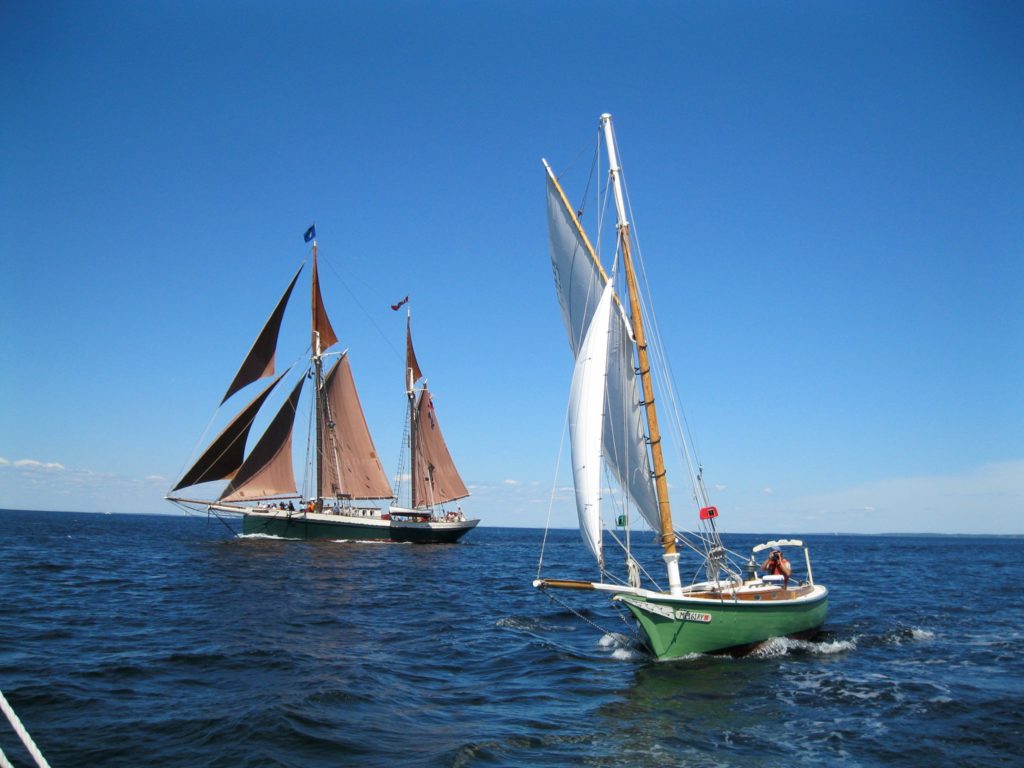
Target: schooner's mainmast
[[412, 375], [434, 479], [323, 337]]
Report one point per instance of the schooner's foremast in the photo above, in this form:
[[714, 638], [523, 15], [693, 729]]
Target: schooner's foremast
[[668, 534], [322, 338]]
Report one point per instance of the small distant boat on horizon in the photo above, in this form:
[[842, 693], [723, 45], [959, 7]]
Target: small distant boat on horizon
[[613, 423], [352, 497]]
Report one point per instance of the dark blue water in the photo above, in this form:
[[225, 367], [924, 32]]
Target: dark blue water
[[162, 641]]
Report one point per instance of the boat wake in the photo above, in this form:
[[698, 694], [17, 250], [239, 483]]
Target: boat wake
[[828, 644], [378, 542], [260, 536], [776, 647], [909, 635]]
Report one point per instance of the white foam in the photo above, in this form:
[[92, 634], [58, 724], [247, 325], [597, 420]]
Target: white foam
[[613, 639], [621, 645], [626, 654], [782, 646]]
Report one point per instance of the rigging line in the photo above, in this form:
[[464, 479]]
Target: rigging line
[[402, 451], [554, 488], [666, 388], [573, 611], [307, 475], [223, 522], [688, 444], [590, 180], [192, 456], [632, 626], [666, 391], [605, 206], [642, 569], [355, 299], [576, 160]]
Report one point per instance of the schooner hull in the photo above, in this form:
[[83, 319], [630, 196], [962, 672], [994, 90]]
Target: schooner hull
[[680, 627], [298, 526]]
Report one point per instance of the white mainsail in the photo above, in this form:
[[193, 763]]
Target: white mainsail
[[586, 417], [580, 283]]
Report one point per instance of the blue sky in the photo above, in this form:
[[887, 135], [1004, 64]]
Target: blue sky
[[830, 198]]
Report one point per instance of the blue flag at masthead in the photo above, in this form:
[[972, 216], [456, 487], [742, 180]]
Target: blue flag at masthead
[[310, 234]]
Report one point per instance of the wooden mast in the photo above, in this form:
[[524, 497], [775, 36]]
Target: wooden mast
[[668, 535], [318, 388], [410, 391]]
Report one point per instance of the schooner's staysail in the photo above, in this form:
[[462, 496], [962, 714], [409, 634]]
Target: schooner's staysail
[[349, 481], [613, 420]]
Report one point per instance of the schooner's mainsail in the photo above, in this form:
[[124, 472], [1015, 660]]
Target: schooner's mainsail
[[613, 420], [351, 497]]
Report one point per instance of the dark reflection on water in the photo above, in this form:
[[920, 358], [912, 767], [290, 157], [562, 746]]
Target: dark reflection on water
[[132, 640]]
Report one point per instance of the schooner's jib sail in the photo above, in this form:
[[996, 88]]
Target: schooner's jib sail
[[351, 496], [613, 424]]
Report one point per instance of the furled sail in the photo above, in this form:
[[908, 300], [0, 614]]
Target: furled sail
[[351, 466], [579, 281], [437, 479], [586, 417], [321, 323], [259, 363], [225, 454], [268, 469]]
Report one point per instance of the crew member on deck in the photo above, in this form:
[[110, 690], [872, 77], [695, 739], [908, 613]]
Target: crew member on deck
[[778, 565]]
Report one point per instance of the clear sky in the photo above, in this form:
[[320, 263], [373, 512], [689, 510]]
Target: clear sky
[[830, 198]]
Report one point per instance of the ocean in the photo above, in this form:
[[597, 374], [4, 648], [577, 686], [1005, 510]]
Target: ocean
[[132, 640]]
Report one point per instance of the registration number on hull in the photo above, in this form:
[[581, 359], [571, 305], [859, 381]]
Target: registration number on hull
[[703, 618], [668, 612]]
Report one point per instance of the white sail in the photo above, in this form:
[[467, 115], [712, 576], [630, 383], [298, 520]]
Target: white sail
[[579, 283], [586, 417]]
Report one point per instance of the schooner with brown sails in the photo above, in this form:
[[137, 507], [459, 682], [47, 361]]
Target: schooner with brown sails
[[352, 497]]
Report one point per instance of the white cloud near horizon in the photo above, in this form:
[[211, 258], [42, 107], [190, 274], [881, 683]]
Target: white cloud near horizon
[[33, 464]]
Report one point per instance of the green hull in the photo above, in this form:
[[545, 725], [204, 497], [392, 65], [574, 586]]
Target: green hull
[[297, 527], [680, 628]]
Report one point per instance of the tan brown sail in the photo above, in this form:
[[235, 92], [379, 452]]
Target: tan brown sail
[[412, 367], [259, 363], [352, 468], [321, 323], [268, 469], [437, 480], [225, 454]]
